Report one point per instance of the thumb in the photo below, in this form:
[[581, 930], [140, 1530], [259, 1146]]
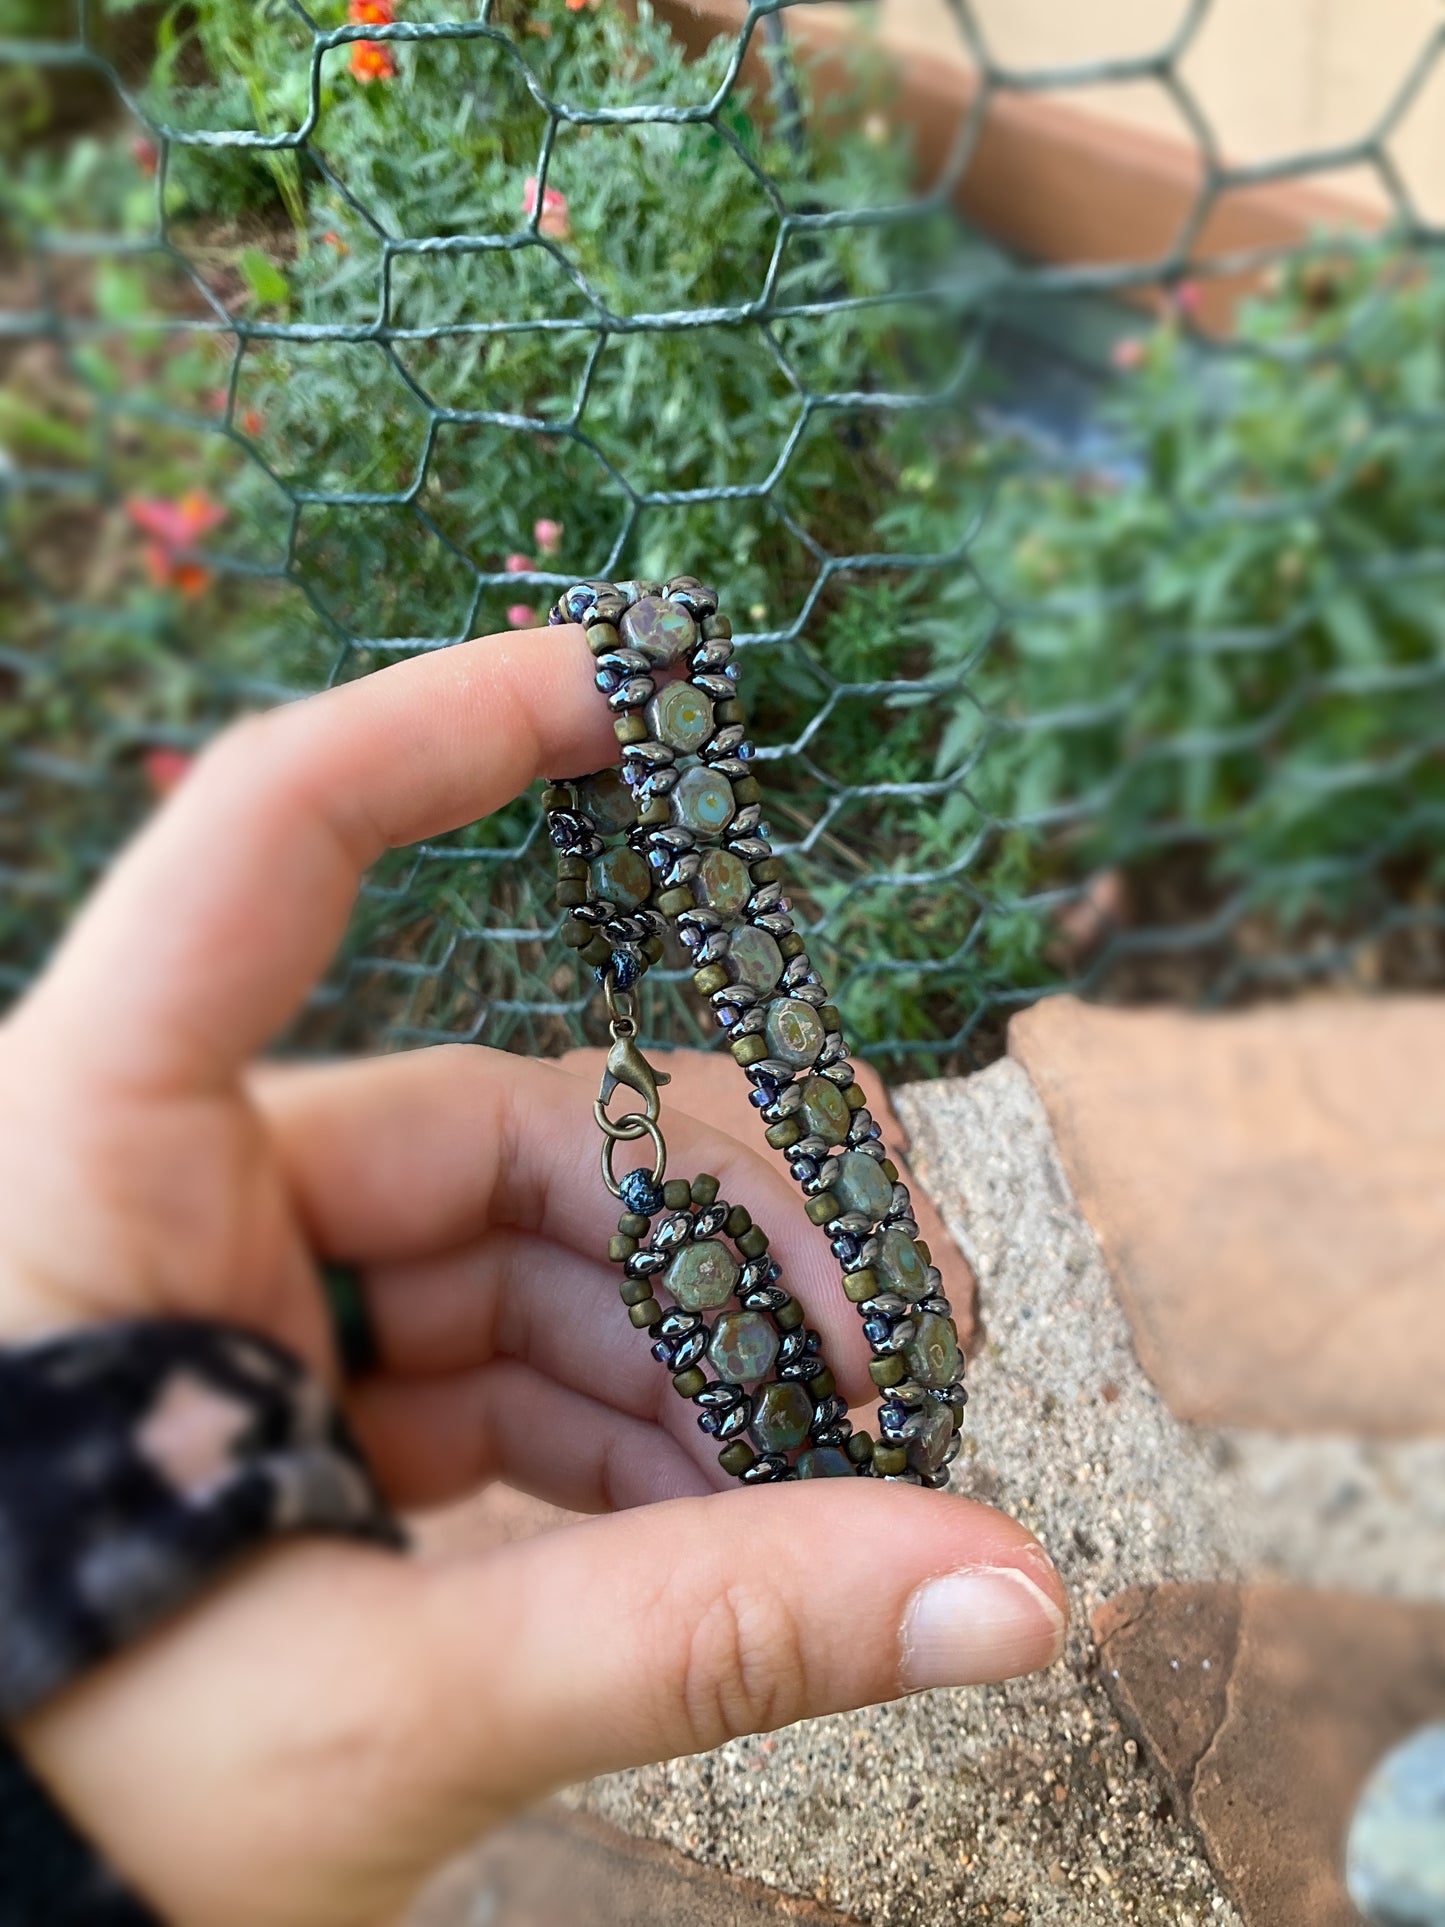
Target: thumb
[[669, 1629]]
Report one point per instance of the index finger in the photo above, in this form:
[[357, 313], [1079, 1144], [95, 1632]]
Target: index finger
[[219, 918]]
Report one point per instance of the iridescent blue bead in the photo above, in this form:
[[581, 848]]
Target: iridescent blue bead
[[578, 600]]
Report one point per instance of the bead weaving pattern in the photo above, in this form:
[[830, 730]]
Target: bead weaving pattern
[[675, 841]]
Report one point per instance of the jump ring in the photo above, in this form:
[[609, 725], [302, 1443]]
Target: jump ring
[[645, 1128]]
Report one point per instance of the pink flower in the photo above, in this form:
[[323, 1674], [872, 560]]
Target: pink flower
[[547, 535], [1189, 299], [164, 768], [146, 155], [522, 615], [520, 565], [554, 222], [1127, 355], [171, 528]]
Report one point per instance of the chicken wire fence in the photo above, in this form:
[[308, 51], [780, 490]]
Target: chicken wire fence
[[1087, 643]]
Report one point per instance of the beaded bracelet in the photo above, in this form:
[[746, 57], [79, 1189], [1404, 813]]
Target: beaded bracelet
[[674, 839]]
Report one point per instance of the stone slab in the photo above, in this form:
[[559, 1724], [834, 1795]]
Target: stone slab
[[1265, 1709], [1267, 1190], [555, 1868]]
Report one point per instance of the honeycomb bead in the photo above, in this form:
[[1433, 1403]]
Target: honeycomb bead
[[859, 1184], [681, 716], [824, 1462], [900, 1264], [744, 1346], [825, 1114], [702, 801], [702, 1275], [926, 1452], [794, 1032], [723, 883], [781, 1417], [622, 876], [660, 630], [608, 801], [755, 958], [932, 1352]]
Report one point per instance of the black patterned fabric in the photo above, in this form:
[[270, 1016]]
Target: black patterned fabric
[[136, 1461], [49, 1875]]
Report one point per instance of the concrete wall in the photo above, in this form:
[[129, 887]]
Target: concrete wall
[[1273, 77]]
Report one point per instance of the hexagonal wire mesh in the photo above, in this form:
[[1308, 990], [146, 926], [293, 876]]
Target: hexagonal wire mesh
[[1085, 644]]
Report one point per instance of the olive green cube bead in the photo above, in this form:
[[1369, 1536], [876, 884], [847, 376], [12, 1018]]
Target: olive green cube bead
[[632, 1224], [645, 1314], [887, 1371], [859, 1448], [635, 1291], [575, 932], [788, 1317], [572, 867], [602, 638], [767, 871], [677, 1194], [746, 789], [749, 1050], [672, 903], [717, 629], [791, 945], [729, 711], [653, 950], [710, 978], [654, 814], [705, 1189], [620, 1247], [855, 1097], [924, 1253], [889, 1460], [823, 1386], [753, 1243], [786, 1131], [859, 1285], [736, 1458], [831, 1016], [555, 797], [630, 729], [596, 953], [739, 1220], [889, 1170], [821, 1208], [571, 892], [689, 1383]]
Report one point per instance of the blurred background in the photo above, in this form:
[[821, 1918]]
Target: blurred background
[[1057, 392], [1058, 395]]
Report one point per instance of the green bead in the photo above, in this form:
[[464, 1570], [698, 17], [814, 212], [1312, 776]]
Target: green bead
[[889, 1460], [620, 1246], [722, 882], [926, 1451], [662, 631], [887, 1371], [820, 1209], [793, 1032], [704, 1189], [825, 1114], [702, 1275], [932, 1352], [645, 1314], [677, 1194], [824, 1462], [623, 877], [859, 1448], [681, 716], [859, 1184], [608, 801], [687, 1384], [702, 801], [902, 1264], [737, 1457], [749, 1050], [755, 958], [744, 1346], [782, 1415], [789, 1316], [859, 1285], [753, 1242], [632, 1224]]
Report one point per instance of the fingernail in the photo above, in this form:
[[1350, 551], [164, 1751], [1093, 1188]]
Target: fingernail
[[984, 1623]]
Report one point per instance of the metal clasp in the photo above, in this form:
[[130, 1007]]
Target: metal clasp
[[627, 1067]]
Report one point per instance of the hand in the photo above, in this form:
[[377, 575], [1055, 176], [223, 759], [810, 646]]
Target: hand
[[302, 1744]]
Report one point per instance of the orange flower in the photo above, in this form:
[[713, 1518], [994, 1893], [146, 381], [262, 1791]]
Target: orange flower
[[555, 221], [372, 60], [372, 13], [172, 528], [334, 240]]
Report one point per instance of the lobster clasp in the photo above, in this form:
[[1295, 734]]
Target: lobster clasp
[[626, 1065]]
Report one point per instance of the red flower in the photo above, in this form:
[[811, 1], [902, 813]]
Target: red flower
[[547, 535], [165, 768], [146, 155], [173, 527], [519, 565], [372, 60], [522, 615], [555, 221], [372, 13], [334, 240], [251, 421]]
